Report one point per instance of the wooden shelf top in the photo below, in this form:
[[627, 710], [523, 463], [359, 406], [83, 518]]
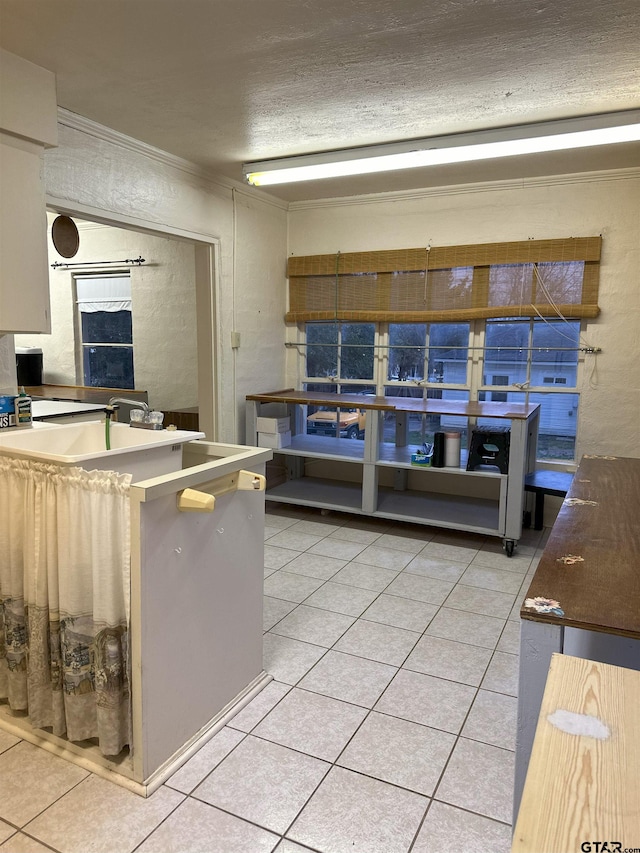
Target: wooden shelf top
[[591, 563], [516, 411], [81, 393], [323, 398], [583, 783]]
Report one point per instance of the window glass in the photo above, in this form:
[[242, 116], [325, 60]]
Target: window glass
[[506, 351], [323, 419], [108, 366], [558, 421], [425, 358], [558, 424], [554, 359], [107, 327], [422, 427], [356, 351], [406, 351], [322, 349], [448, 353]]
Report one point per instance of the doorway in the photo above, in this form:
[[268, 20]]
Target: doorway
[[174, 310]]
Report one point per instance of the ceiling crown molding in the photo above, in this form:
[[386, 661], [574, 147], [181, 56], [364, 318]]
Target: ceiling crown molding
[[479, 187], [212, 180]]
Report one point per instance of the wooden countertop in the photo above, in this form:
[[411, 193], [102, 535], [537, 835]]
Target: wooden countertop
[[82, 393], [322, 398], [518, 411], [591, 563], [583, 787]]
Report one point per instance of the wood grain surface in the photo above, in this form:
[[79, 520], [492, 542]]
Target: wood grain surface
[[581, 788], [600, 592], [517, 411]]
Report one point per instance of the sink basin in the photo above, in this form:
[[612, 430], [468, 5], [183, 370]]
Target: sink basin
[[140, 452]]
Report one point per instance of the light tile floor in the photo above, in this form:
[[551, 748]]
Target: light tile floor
[[389, 726]]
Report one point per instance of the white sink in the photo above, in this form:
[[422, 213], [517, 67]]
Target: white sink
[[143, 453]]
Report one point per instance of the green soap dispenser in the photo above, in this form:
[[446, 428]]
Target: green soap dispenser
[[23, 408]]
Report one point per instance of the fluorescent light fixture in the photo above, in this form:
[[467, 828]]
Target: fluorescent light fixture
[[458, 148]]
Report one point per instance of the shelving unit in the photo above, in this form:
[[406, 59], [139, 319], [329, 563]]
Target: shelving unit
[[375, 477]]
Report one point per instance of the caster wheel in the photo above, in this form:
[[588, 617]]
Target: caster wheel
[[509, 545]]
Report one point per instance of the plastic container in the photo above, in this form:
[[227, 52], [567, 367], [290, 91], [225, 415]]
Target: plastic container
[[29, 366], [437, 460], [452, 450], [23, 408]]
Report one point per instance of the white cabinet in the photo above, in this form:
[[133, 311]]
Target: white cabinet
[[24, 272], [28, 125], [376, 477]]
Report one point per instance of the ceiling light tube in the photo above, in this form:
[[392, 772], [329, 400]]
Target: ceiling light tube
[[458, 148]]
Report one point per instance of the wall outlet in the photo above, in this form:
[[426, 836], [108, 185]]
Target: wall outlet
[[235, 340]]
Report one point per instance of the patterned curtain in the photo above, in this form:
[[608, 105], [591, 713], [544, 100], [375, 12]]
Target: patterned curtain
[[64, 599]]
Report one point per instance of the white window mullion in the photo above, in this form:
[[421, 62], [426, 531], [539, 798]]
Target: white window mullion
[[475, 362], [381, 357]]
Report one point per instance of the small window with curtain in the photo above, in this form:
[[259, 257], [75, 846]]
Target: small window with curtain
[[105, 330]]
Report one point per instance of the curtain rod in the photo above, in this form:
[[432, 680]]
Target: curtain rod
[[139, 260], [591, 350]]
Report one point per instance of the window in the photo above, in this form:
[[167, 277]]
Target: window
[[520, 357], [453, 322], [105, 330]]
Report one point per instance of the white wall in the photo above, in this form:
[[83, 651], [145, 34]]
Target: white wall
[[105, 176], [567, 206], [7, 365]]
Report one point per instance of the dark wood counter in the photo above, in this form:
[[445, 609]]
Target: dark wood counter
[[599, 591], [82, 393], [589, 579]]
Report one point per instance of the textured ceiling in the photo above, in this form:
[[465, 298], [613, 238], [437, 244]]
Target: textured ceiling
[[221, 82]]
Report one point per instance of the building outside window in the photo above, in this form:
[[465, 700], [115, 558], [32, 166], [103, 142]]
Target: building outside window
[[105, 330]]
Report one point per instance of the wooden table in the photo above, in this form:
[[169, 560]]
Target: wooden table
[[583, 787], [591, 569]]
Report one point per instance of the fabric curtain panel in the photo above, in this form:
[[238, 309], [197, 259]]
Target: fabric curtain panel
[[103, 293], [64, 599], [449, 283]]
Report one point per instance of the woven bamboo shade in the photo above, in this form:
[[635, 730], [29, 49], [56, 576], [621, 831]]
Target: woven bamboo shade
[[448, 283]]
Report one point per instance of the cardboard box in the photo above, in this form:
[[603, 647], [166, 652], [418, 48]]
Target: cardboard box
[[274, 439], [422, 460], [7, 411], [273, 425]]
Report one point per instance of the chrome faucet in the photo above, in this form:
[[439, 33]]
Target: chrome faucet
[[149, 420], [138, 404]]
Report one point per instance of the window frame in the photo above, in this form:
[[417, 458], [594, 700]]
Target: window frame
[[80, 344], [476, 360]]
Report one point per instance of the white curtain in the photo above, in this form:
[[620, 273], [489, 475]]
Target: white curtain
[[64, 599], [104, 292]]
